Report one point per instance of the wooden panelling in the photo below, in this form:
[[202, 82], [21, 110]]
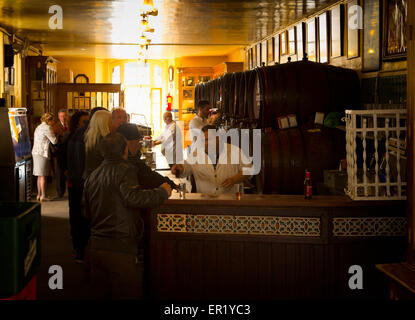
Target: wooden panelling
[[230, 266]]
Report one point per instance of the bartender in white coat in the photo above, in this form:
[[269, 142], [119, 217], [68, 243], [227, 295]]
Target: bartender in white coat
[[171, 140], [200, 120], [214, 172]]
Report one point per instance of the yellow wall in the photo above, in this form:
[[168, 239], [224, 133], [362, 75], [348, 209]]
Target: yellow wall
[[78, 66], [208, 61], [1, 62]]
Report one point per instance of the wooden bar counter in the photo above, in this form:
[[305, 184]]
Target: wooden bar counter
[[271, 246]]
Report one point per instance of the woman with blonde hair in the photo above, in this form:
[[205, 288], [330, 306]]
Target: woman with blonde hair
[[99, 126], [43, 136]]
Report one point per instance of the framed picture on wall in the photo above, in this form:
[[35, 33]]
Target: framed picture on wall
[[371, 35], [251, 58], [292, 47], [323, 36], [6, 75], [187, 93], [353, 34], [258, 55], [270, 50], [394, 32], [300, 41], [277, 49], [311, 40], [337, 24], [264, 57], [283, 43]]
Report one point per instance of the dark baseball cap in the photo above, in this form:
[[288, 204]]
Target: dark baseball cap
[[129, 131]]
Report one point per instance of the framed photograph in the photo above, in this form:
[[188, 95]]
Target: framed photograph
[[353, 34], [371, 35], [283, 43], [187, 94], [188, 81], [323, 36], [11, 76], [291, 42], [277, 49], [264, 58], [394, 34], [337, 23], [311, 40], [251, 58], [300, 41], [270, 50]]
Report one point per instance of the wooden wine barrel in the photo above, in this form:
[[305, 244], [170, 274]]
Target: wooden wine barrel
[[240, 95], [318, 153], [249, 94], [270, 171], [226, 94], [313, 91]]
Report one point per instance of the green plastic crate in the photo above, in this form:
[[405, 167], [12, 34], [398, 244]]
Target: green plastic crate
[[20, 224]]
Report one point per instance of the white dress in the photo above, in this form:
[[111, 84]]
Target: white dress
[[43, 136]]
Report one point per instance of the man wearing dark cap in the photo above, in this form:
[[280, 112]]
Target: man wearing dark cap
[[146, 177], [112, 198]]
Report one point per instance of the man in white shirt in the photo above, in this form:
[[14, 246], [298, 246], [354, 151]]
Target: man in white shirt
[[200, 120], [215, 172], [170, 140]]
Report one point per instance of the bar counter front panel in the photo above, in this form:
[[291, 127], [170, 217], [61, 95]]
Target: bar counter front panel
[[271, 246]]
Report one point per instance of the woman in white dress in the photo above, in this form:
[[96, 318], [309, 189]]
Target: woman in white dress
[[43, 136]]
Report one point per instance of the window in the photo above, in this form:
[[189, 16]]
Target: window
[[158, 80], [116, 74]]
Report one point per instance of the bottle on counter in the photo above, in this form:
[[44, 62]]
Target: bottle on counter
[[308, 188]]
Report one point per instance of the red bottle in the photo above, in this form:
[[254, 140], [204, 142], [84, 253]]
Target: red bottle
[[308, 188]]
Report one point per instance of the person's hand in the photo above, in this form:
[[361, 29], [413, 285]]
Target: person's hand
[[153, 143], [228, 183], [177, 170], [166, 187]]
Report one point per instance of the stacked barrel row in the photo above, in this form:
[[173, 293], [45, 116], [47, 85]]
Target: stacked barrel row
[[300, 88]]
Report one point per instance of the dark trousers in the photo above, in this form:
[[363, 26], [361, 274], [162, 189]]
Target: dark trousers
[[60, 179], [80, 229], [116, 275]]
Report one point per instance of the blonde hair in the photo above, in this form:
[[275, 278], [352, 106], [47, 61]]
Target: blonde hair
[[46, 117], [98, 128]]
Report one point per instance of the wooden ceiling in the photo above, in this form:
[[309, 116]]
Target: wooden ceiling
[[111, 28]]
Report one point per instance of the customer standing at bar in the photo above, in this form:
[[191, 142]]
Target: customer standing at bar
[[170, 140], [60, 128], [147, 178], [79, 228], [43, 136], [99, 126], [112, 199]]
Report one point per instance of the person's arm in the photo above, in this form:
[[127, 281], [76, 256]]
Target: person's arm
[[133, 197], [51, 135], [238, 178], [182, 170], [148, 178]]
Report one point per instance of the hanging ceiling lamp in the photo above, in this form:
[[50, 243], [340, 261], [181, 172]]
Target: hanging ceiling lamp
[[148, 8]]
